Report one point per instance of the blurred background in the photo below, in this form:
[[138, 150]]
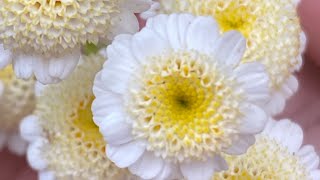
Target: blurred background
[[303, 108]]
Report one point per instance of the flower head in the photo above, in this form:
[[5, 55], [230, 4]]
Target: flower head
[[273, 33], [175, 96], [277, 154], [64, 141], [16, 101], [45, 36]]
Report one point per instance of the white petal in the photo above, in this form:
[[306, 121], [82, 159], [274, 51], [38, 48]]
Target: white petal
[[152, 11], [17, 145], [169, 171], [124, 23], [276, 104], [290, 87], [115, 129], [241, 145], [46, 175], [34, 154], [198, 169], [146, 44], [309, 157], [5, 57], [23, 65], [220, 164], [158, 24], [126, 154], [116, 76], [38, 88], [203, 34], [99, 87], [61, 66], [30, 128], [121, 51], [230, 48], [255, 82], [254, 119], [287, 133], [105, 103], [271, 123], [41, 71], [177, 27], [148, 166]]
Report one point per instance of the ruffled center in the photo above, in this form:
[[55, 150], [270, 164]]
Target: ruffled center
[[185, 107], [52, 26], [266, 160]]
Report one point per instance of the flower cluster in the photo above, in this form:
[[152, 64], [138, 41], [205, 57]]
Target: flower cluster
[[192, 95]]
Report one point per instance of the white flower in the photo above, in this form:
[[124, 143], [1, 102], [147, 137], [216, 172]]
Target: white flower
[[277, 154], [273, 32], [175, 96], [44, 38], [16, 101], [64, 141]]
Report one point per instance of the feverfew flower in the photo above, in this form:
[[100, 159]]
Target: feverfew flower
[[277, 154], [175, 96], [273, 32], [17, 100], [64, 141], [43, 37]]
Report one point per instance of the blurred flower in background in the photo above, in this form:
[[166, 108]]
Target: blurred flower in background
[[17, 99], [64, 141]]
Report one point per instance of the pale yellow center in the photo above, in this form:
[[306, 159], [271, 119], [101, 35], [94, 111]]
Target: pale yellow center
[[51, 27], [17, 99], [185, 106], [265, 160]]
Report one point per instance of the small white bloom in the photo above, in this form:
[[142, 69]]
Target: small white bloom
[[44, 37], [277, 154], [273, 32], [64, 141], [16, 101], [175, 96]]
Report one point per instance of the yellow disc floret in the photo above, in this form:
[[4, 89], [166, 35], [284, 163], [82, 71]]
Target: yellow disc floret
[[266, 160], [271, 27], [185, 106], [75, 148], [17, 100], [54, 25]]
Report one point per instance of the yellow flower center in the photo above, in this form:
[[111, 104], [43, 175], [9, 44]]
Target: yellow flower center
[[7, 75], [184, 106], [235, 16], [54, 26], [83, 128], [266, 160]]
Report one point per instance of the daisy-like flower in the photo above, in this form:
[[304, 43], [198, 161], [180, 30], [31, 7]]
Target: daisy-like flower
[[64, 141], [175, 96], [277, 154], [43, 37], [17, 100], [273, 32]]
